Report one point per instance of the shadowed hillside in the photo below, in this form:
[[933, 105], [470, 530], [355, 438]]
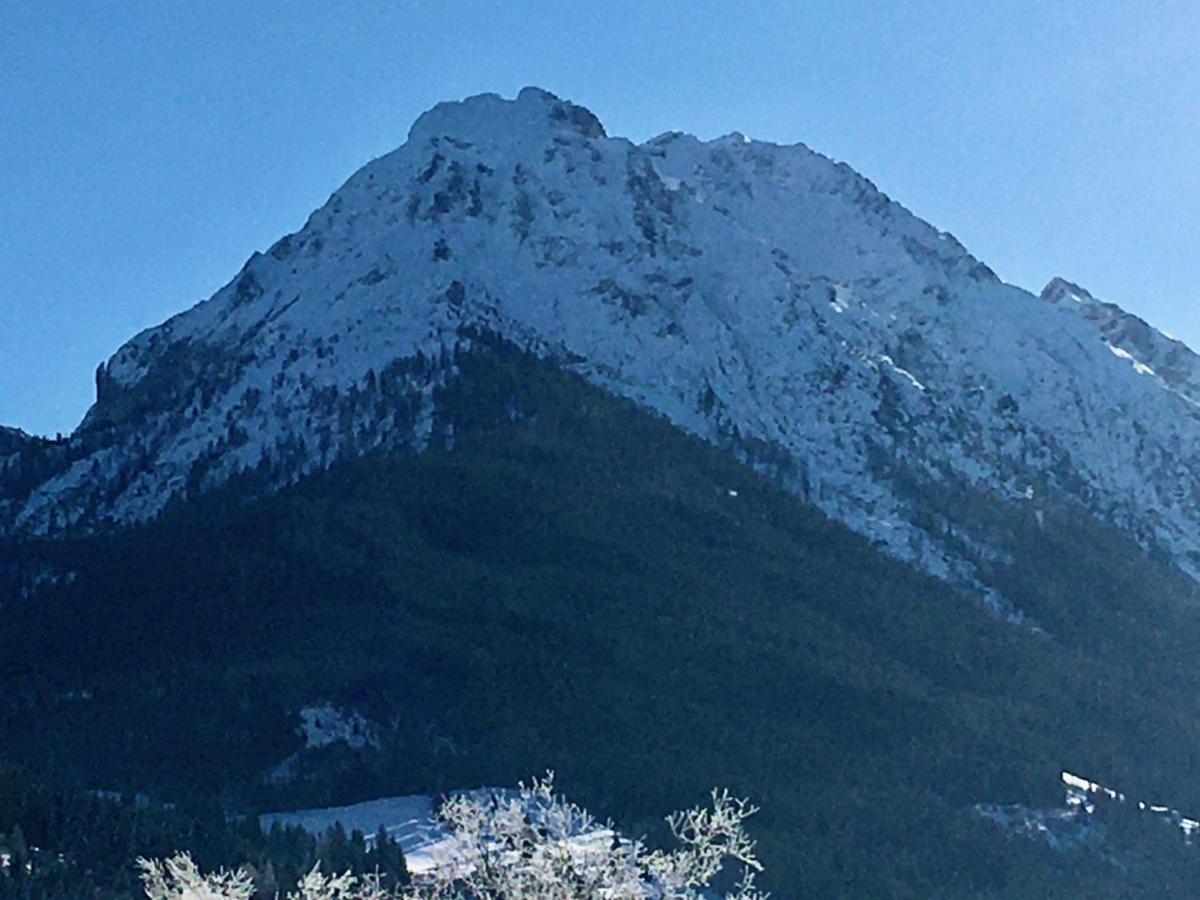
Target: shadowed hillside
[[568, 582]]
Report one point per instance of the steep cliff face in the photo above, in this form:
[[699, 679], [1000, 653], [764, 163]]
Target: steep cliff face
[[760, 296]]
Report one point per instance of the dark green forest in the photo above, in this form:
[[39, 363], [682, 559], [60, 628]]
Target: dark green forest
[[571, 583], [73, 844]]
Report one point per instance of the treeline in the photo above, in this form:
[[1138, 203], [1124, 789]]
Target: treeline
[[80, 845]]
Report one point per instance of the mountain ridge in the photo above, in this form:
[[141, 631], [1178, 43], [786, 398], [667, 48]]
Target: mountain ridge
[[1149, 350], [763, 297]]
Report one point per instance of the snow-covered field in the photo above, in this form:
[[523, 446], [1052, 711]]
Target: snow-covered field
[[411, 821]]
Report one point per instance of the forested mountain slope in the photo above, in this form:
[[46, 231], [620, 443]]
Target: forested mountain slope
[[572, 582]]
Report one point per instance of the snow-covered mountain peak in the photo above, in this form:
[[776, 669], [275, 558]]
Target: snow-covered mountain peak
[[733, 139], [763, 297], [1058, 290], [489, 117]]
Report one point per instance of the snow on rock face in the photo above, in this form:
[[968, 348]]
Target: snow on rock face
[[757, 295], [1075, 825], [1149, 351], [324, 724]]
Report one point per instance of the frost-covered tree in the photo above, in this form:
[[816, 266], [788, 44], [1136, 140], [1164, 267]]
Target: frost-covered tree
[[178, 878], [530, 844]]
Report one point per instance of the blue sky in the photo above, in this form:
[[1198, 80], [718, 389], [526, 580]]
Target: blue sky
[[147, 148]]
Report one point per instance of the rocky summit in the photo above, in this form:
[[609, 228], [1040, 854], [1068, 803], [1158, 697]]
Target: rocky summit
[[762, 297]]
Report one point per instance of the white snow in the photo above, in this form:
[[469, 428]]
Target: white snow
[[904, 373], [409, 820], [665, 273], [1071, 826], [324, 724], [1139, 367], [1076, 782], [1080, 791]]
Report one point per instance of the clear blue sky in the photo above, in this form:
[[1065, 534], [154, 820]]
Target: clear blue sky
[[146, 148]]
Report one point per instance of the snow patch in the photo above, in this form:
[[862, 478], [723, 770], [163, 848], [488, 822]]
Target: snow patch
[[413, 823], [325, 724], [903, 373], [1139, 367]]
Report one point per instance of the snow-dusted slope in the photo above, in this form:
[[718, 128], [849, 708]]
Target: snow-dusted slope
[[758, 295], [1147, 349]]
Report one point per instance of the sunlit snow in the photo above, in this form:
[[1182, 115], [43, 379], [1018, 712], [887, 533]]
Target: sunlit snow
[[712, 282]]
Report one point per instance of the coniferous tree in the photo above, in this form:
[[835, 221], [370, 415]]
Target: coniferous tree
[[387, 858]]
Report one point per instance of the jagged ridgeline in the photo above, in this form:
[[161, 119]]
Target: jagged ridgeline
[[663, 465], [759, 296]]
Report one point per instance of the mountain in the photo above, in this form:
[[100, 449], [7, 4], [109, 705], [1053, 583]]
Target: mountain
[[15, 446], [572, 583], [762, 297], [663, 465]]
